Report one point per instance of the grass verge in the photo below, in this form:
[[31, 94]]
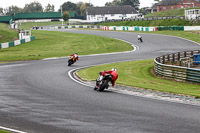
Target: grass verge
[[28, 25], [58, 44], [168, 13], [191, 35], [137, 74], [3, 131], [7, 34], [165, 22]]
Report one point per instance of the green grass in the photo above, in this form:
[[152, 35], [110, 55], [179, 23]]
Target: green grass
[[174, 12], [191, 35], [7, 34], [165, 22], [58, 44], [3, 131], [167, 13], [137, 74], [28, 25]]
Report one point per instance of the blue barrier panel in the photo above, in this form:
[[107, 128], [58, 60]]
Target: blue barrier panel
[[196, 59]]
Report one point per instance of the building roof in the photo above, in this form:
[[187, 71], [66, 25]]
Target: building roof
[[111, 10], [154, 6], [169, 2]]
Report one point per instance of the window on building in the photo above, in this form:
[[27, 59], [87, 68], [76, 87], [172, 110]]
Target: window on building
[[188, 0]]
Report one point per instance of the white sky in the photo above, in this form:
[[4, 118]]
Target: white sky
[[57, 3]]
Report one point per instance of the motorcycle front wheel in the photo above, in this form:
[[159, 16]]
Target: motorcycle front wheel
[[103, 86]]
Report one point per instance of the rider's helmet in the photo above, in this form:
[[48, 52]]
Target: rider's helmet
[[75, 55], [113, 69]]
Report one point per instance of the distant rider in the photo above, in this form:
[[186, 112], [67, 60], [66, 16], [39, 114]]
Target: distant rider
[[139, 37], [112, 72], [75, 56]]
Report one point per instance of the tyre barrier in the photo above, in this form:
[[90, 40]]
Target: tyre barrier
[[16, 43]]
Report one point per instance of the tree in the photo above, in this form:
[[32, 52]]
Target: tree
[[66, 16], [69, 6], [49, 8], [114, 3], [134, 3], [144, 11], [83, 8], [78, 8], [10, 11], [1, 11], [33, 7]]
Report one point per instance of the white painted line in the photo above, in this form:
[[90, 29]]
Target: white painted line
[[126, 92], [69, 73], [135, 47], [12, 130], [174, 37]]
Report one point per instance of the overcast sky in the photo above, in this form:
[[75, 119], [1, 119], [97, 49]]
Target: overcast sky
[[57, 3]]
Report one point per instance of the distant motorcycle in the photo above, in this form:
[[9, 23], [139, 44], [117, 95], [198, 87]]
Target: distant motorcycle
[[103, 84], [140, 39], [71, 60]]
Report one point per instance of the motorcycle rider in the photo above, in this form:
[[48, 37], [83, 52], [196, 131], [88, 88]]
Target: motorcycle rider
[[75, 56], [140, 38], [112, 72]]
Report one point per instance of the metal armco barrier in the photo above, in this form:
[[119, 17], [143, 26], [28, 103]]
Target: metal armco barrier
[[177, 73]]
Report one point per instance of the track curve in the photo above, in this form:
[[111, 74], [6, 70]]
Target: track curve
[[39, 96]]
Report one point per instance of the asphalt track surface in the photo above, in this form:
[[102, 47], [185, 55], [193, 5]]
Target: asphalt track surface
[[39, 96]]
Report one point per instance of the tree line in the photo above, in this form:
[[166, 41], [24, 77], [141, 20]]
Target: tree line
[[79, 8]]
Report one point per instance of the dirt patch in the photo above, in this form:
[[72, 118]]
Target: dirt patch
[[196, 32]]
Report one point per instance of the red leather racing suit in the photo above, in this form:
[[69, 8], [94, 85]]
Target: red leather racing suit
[[113, 73]]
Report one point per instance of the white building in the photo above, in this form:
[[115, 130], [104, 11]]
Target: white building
[[192, 14], [98, 14]]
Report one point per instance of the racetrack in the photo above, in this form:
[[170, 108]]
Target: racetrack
[[39, 96]]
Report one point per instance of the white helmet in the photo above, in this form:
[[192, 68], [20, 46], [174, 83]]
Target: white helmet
[[113, 69]]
